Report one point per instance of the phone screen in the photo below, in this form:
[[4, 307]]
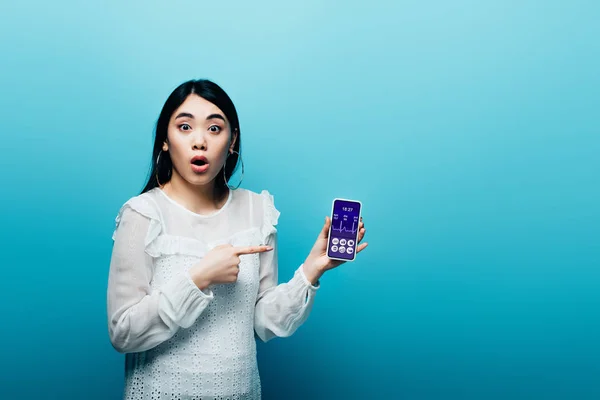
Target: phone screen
[[343, 233]]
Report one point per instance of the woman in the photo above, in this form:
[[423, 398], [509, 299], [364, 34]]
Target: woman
[[193, 272]]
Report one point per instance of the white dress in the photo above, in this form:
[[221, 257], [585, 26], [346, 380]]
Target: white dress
[[182, 342]]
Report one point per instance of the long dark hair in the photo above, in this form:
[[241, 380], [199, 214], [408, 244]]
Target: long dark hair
[[209, 91]]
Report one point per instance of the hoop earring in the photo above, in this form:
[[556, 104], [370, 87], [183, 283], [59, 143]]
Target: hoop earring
[[157, 161], [225, 177]]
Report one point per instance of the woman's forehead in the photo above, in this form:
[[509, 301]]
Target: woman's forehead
[[198, 107]]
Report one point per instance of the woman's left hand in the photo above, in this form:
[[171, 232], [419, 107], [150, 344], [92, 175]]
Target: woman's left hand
[[317, 262]]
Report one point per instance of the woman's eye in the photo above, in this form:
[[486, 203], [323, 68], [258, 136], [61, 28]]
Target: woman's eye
[[214, 128], [185, 127]]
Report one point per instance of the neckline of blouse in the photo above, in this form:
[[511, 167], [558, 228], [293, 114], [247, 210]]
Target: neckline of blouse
[[197, 215]]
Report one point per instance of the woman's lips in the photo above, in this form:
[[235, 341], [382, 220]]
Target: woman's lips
[[199, 168], [199, 164]]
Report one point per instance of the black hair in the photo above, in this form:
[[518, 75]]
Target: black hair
[[209, 91]]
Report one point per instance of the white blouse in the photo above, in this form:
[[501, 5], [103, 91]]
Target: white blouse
[[182, 342]]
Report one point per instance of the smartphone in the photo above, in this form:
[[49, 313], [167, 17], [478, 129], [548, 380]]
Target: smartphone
[[343, 232]]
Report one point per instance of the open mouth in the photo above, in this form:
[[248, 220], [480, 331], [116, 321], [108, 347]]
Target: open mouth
[[199, 164]]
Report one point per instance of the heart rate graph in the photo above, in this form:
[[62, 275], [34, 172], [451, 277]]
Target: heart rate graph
[[343, 225]]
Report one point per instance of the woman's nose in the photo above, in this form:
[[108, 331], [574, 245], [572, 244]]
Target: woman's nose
[[199, 142]]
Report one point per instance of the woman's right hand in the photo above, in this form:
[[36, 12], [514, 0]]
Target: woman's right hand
[[221, 264]]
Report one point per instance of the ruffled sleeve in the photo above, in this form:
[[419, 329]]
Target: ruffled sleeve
[[140, 317], [144, 207], [280, 309], [270, 214]]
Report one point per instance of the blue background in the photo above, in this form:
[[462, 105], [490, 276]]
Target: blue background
[[473, 133]]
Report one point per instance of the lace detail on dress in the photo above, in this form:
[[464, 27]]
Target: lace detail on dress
[[171, 245]]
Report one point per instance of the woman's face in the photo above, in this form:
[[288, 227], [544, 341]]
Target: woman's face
[[199, 139]]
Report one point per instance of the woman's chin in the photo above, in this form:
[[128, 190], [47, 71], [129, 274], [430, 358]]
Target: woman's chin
[[200, 180]]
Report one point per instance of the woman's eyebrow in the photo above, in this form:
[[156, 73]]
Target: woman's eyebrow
[[184, 115], [213, 116]]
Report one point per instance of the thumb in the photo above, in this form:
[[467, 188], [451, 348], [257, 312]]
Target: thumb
[[325, 230]]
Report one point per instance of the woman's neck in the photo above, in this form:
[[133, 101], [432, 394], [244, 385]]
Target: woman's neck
[[204, 199]]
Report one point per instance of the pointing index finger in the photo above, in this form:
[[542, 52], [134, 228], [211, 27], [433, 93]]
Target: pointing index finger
[[251, 249]]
